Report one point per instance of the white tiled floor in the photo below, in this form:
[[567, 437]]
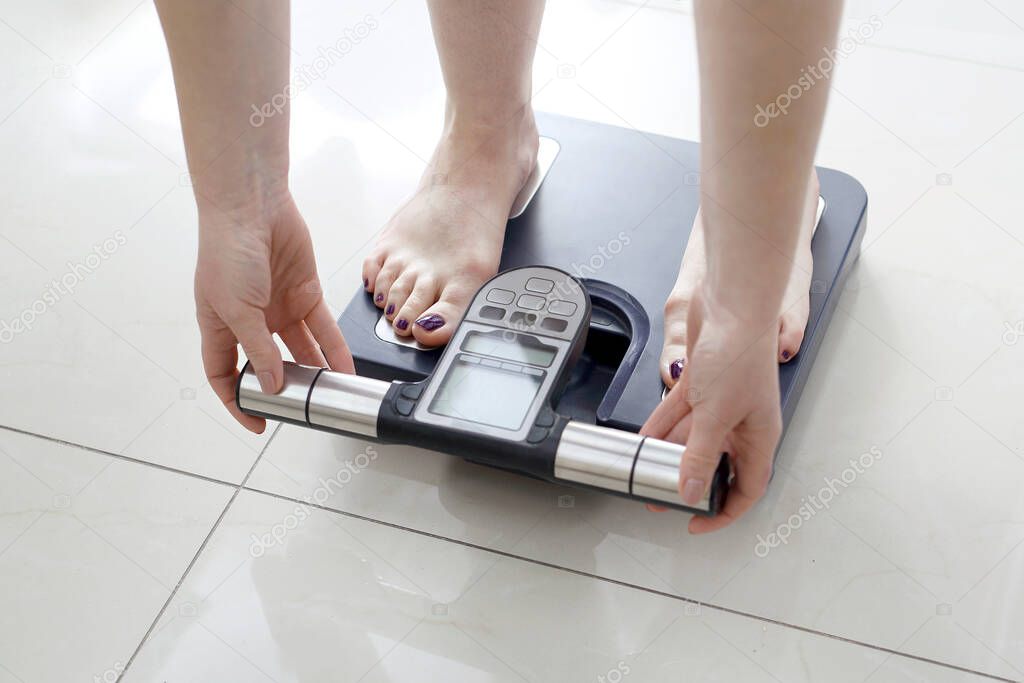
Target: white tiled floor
[[134, 515]]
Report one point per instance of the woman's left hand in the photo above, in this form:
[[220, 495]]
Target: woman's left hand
[[727, 400]]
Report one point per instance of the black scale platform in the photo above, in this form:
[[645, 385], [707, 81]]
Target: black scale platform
[[615, 209]]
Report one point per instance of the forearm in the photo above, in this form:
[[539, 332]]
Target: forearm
[[755, 172], [231, 62]]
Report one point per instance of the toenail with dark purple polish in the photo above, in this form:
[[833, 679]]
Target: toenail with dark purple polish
[[366, 283], [389, 310], [379, 298], [786, 355], [402, 324], [430, 322], [676, 368]]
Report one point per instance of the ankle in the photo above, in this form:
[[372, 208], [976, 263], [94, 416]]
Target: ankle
[[472, 143], [508, 121]]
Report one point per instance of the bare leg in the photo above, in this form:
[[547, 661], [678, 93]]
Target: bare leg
[[755, 209], [445, 241], [796, 43]]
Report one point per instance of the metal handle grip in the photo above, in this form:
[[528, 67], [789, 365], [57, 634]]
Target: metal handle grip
[[316, 397], [600, 457], [628, 463]]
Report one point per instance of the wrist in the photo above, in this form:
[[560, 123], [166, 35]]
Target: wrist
[[245, 179], [745, 311], [254, 201]]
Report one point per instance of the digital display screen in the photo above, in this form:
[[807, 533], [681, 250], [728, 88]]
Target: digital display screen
[[486, 395], [520, 350]]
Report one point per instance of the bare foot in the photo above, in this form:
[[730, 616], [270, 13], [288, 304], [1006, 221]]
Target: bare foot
[[795, 302], [445, 241]]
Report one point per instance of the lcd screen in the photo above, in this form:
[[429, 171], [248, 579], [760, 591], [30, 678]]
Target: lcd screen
[[520, 349], [485, 395]]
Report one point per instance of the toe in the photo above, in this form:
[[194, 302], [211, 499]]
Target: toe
[[673, 362], [371, 268], [423, 295], [791, 335], [673, 353], [437, 323], [398, 293], [389, 272]]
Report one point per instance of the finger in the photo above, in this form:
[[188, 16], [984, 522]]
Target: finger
[[754, 458], [694, 318], [703, 452], [681, 432], [302, 345], [704, 525], [220, 362], [656, 508], [668, 413], [328, 335], [250, 327], [747, 488]]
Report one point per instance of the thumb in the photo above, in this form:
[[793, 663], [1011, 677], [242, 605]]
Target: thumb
[[250, 328], [703, 452]]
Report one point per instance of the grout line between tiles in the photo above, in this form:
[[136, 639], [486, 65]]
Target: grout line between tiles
[[625, 584], [199, 551], [128, 458], [938, 55]]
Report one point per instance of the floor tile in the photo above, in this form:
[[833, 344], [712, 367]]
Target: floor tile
[[946, 632], [107, 294], [984, 181], [949, 96], [407, 607], [847, 570], [942, 268], [34, 68], [90, 548], [988, 397], [402, 483], [990, 611], [949, 522], [84, 381], [985, 33], [137, 92], [66, 138], [96, 294], [922, 363], [612, 69], [66, 31]]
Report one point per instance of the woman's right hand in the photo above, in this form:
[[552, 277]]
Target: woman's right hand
[[256, 275]]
